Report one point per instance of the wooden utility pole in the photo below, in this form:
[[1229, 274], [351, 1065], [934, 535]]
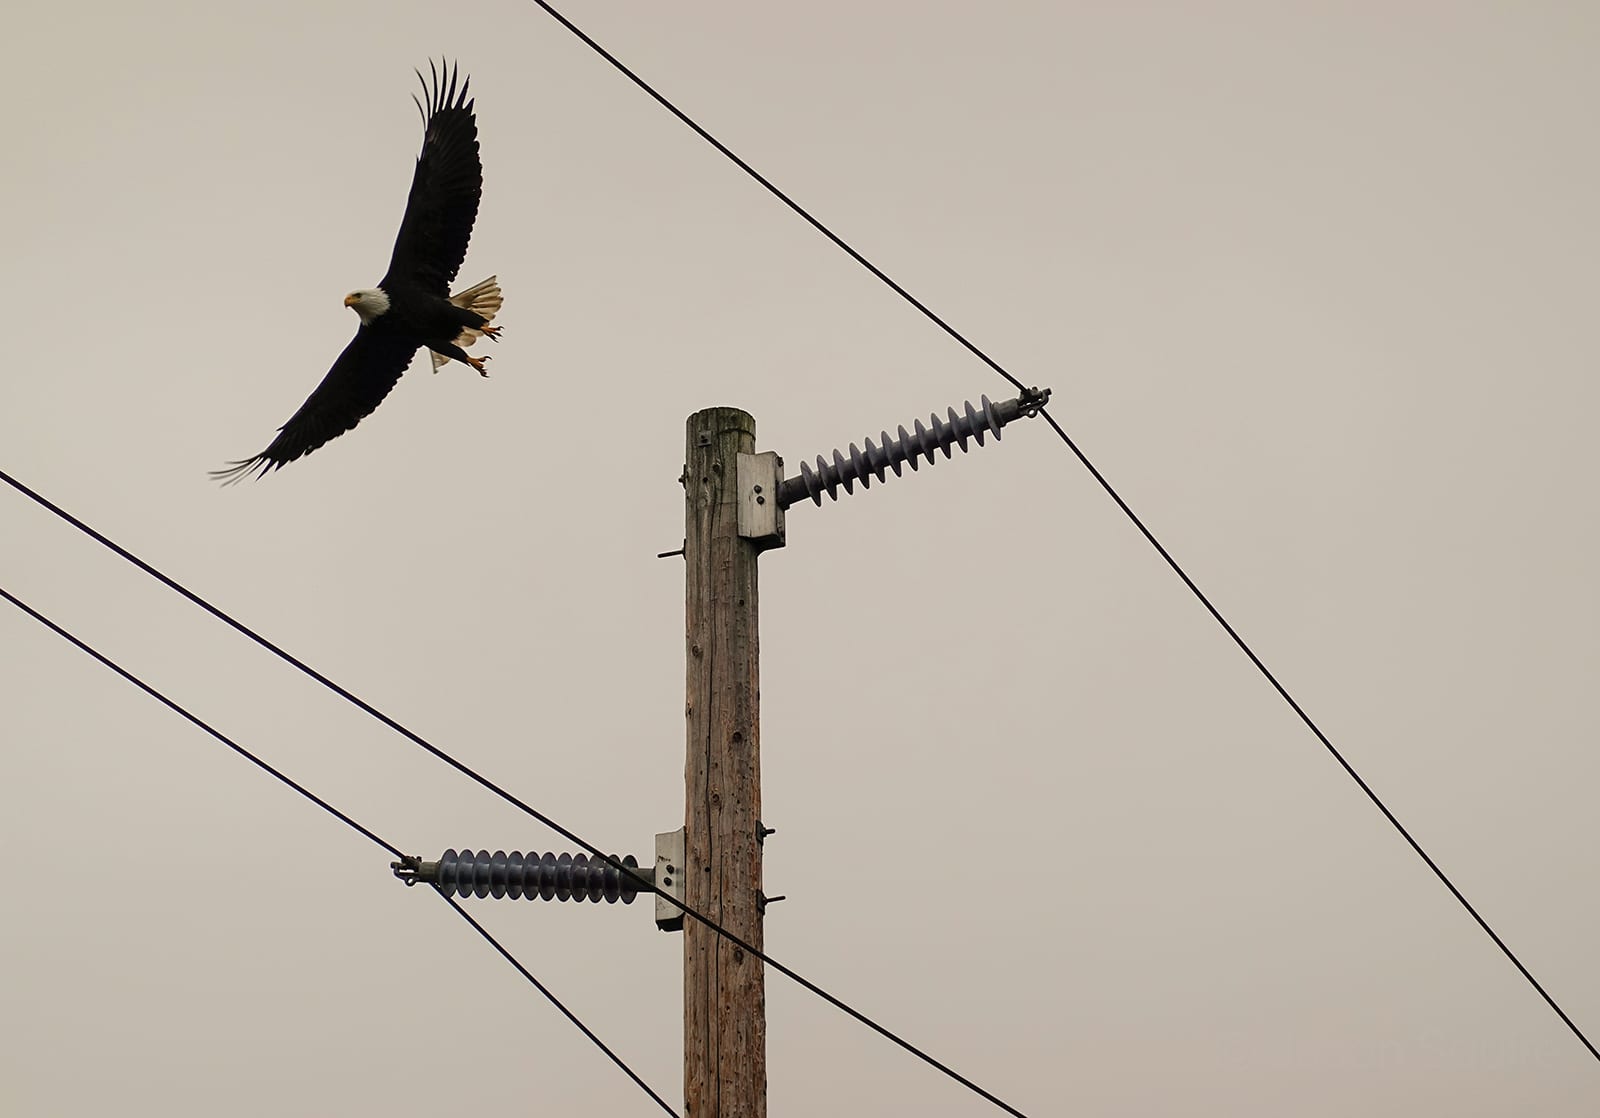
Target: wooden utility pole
[[724, 994]]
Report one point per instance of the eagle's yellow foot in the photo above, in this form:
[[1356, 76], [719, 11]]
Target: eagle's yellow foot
[[478, 363], [490, 332]]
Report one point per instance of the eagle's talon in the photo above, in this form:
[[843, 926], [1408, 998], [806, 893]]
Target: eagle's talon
[[490, 332], [478, 363]]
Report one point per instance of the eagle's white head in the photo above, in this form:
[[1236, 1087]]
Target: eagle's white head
[[368, 303]]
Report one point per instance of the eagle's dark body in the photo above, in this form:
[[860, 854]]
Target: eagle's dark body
[[414, 314], [411, 308]]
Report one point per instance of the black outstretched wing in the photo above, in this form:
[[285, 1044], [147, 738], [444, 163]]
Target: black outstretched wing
[[444, 191], [359, 380]]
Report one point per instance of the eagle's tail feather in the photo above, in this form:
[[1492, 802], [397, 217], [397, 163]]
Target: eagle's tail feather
[[482, 299]]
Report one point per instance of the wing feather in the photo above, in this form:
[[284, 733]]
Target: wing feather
[[360, 378], [445, 189]]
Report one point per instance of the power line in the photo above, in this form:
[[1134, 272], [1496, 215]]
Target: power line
[[1323, 738], [337, 814], [748, 948], [204, 725], [555, 1001], [1099, 477], [777, 193]]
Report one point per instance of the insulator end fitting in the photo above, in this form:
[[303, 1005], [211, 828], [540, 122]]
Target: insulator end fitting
[[874, 461], [561, 877]]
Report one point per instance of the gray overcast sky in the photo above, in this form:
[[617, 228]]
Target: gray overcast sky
[[1314, 285]]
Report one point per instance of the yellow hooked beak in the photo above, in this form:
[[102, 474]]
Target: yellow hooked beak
[[351, 300]]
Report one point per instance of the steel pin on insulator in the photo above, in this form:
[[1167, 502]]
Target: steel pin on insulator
[[923, 442]]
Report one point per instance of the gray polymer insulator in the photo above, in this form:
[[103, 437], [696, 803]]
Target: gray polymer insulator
[[546, 876], [908, 447]]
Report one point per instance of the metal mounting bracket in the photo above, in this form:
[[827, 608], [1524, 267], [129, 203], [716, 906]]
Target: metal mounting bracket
[[760, 515], [669, 878]]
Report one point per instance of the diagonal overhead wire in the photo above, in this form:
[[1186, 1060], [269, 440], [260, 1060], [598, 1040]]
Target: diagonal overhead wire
[[201, 723], [973, 349], [1327, 744], [779, 194], [555, 1001], [173, 706], [526, 808]]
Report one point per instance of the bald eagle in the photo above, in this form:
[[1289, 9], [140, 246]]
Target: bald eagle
[[411, 307]]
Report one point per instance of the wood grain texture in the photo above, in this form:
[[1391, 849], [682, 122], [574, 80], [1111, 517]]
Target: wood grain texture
[[724, 995]]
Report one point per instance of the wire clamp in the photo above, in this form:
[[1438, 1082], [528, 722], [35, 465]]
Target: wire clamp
[[1031, 402], [408, 869]]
